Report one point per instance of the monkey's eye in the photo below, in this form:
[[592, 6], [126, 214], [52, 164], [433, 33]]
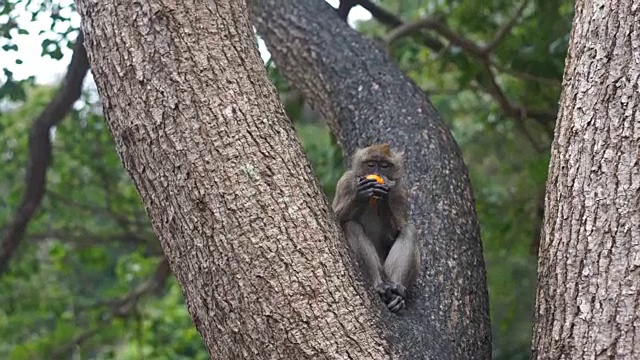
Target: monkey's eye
[[371, 164], [384, 164]]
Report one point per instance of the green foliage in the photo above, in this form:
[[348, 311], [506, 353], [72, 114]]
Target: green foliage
[[88, 248], [507, 178], [15, 16], [13, 89]]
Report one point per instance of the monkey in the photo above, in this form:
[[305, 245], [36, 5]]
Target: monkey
[[374, 219]]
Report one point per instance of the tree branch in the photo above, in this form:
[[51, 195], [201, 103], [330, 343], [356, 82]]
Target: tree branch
[[401, 29], [441, 28], [520, 113], [527, 76], [505, 29], [537, 221], [345, 7], [125, 305], [380, 14], [40, 150], [393, 22]]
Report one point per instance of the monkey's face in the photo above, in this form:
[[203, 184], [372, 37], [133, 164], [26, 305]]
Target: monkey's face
[[378, 165], [378, 160]]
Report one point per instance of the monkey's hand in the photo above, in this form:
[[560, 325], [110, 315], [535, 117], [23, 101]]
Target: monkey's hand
[[368, 188], [393, 294]]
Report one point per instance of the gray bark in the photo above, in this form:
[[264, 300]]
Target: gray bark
[[245, 227], [588, 298], [365, 98]]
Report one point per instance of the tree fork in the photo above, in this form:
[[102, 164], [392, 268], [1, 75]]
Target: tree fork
[[365, 98]]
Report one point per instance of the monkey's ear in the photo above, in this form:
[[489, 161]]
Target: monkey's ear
[[400, 154], [384, 148], [379, 149], [398, 157]]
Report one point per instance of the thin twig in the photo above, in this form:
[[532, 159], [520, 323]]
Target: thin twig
[[393, 21], [441, 28], [505, 29], [526, 76]]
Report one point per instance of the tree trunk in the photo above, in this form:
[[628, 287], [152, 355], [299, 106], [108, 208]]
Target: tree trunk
[[588, 298], [366, 98], [248, 233]]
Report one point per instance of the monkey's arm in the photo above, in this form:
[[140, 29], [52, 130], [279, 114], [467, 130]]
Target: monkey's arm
[[398, 206], [353, 194], [345, 203]]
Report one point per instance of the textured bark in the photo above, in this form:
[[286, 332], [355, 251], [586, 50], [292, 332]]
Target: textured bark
[[243, 223], [366, 98], [588, 298]]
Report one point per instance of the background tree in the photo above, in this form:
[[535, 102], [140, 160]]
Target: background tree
[[589, 269], [90, 250]]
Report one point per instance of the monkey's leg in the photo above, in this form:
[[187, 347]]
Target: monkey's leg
[[365, 251], [401, 265]]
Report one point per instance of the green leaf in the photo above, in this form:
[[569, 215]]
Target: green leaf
[[10, 47]]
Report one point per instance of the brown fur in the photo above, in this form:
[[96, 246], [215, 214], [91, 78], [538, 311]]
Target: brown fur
[[380, 235]]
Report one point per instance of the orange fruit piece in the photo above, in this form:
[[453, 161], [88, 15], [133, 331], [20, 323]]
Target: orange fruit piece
[[380, 180], [376, 178]]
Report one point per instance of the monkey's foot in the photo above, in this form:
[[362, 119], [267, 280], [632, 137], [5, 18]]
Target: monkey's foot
[[398, 289], [396, 304], [392, 294]]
